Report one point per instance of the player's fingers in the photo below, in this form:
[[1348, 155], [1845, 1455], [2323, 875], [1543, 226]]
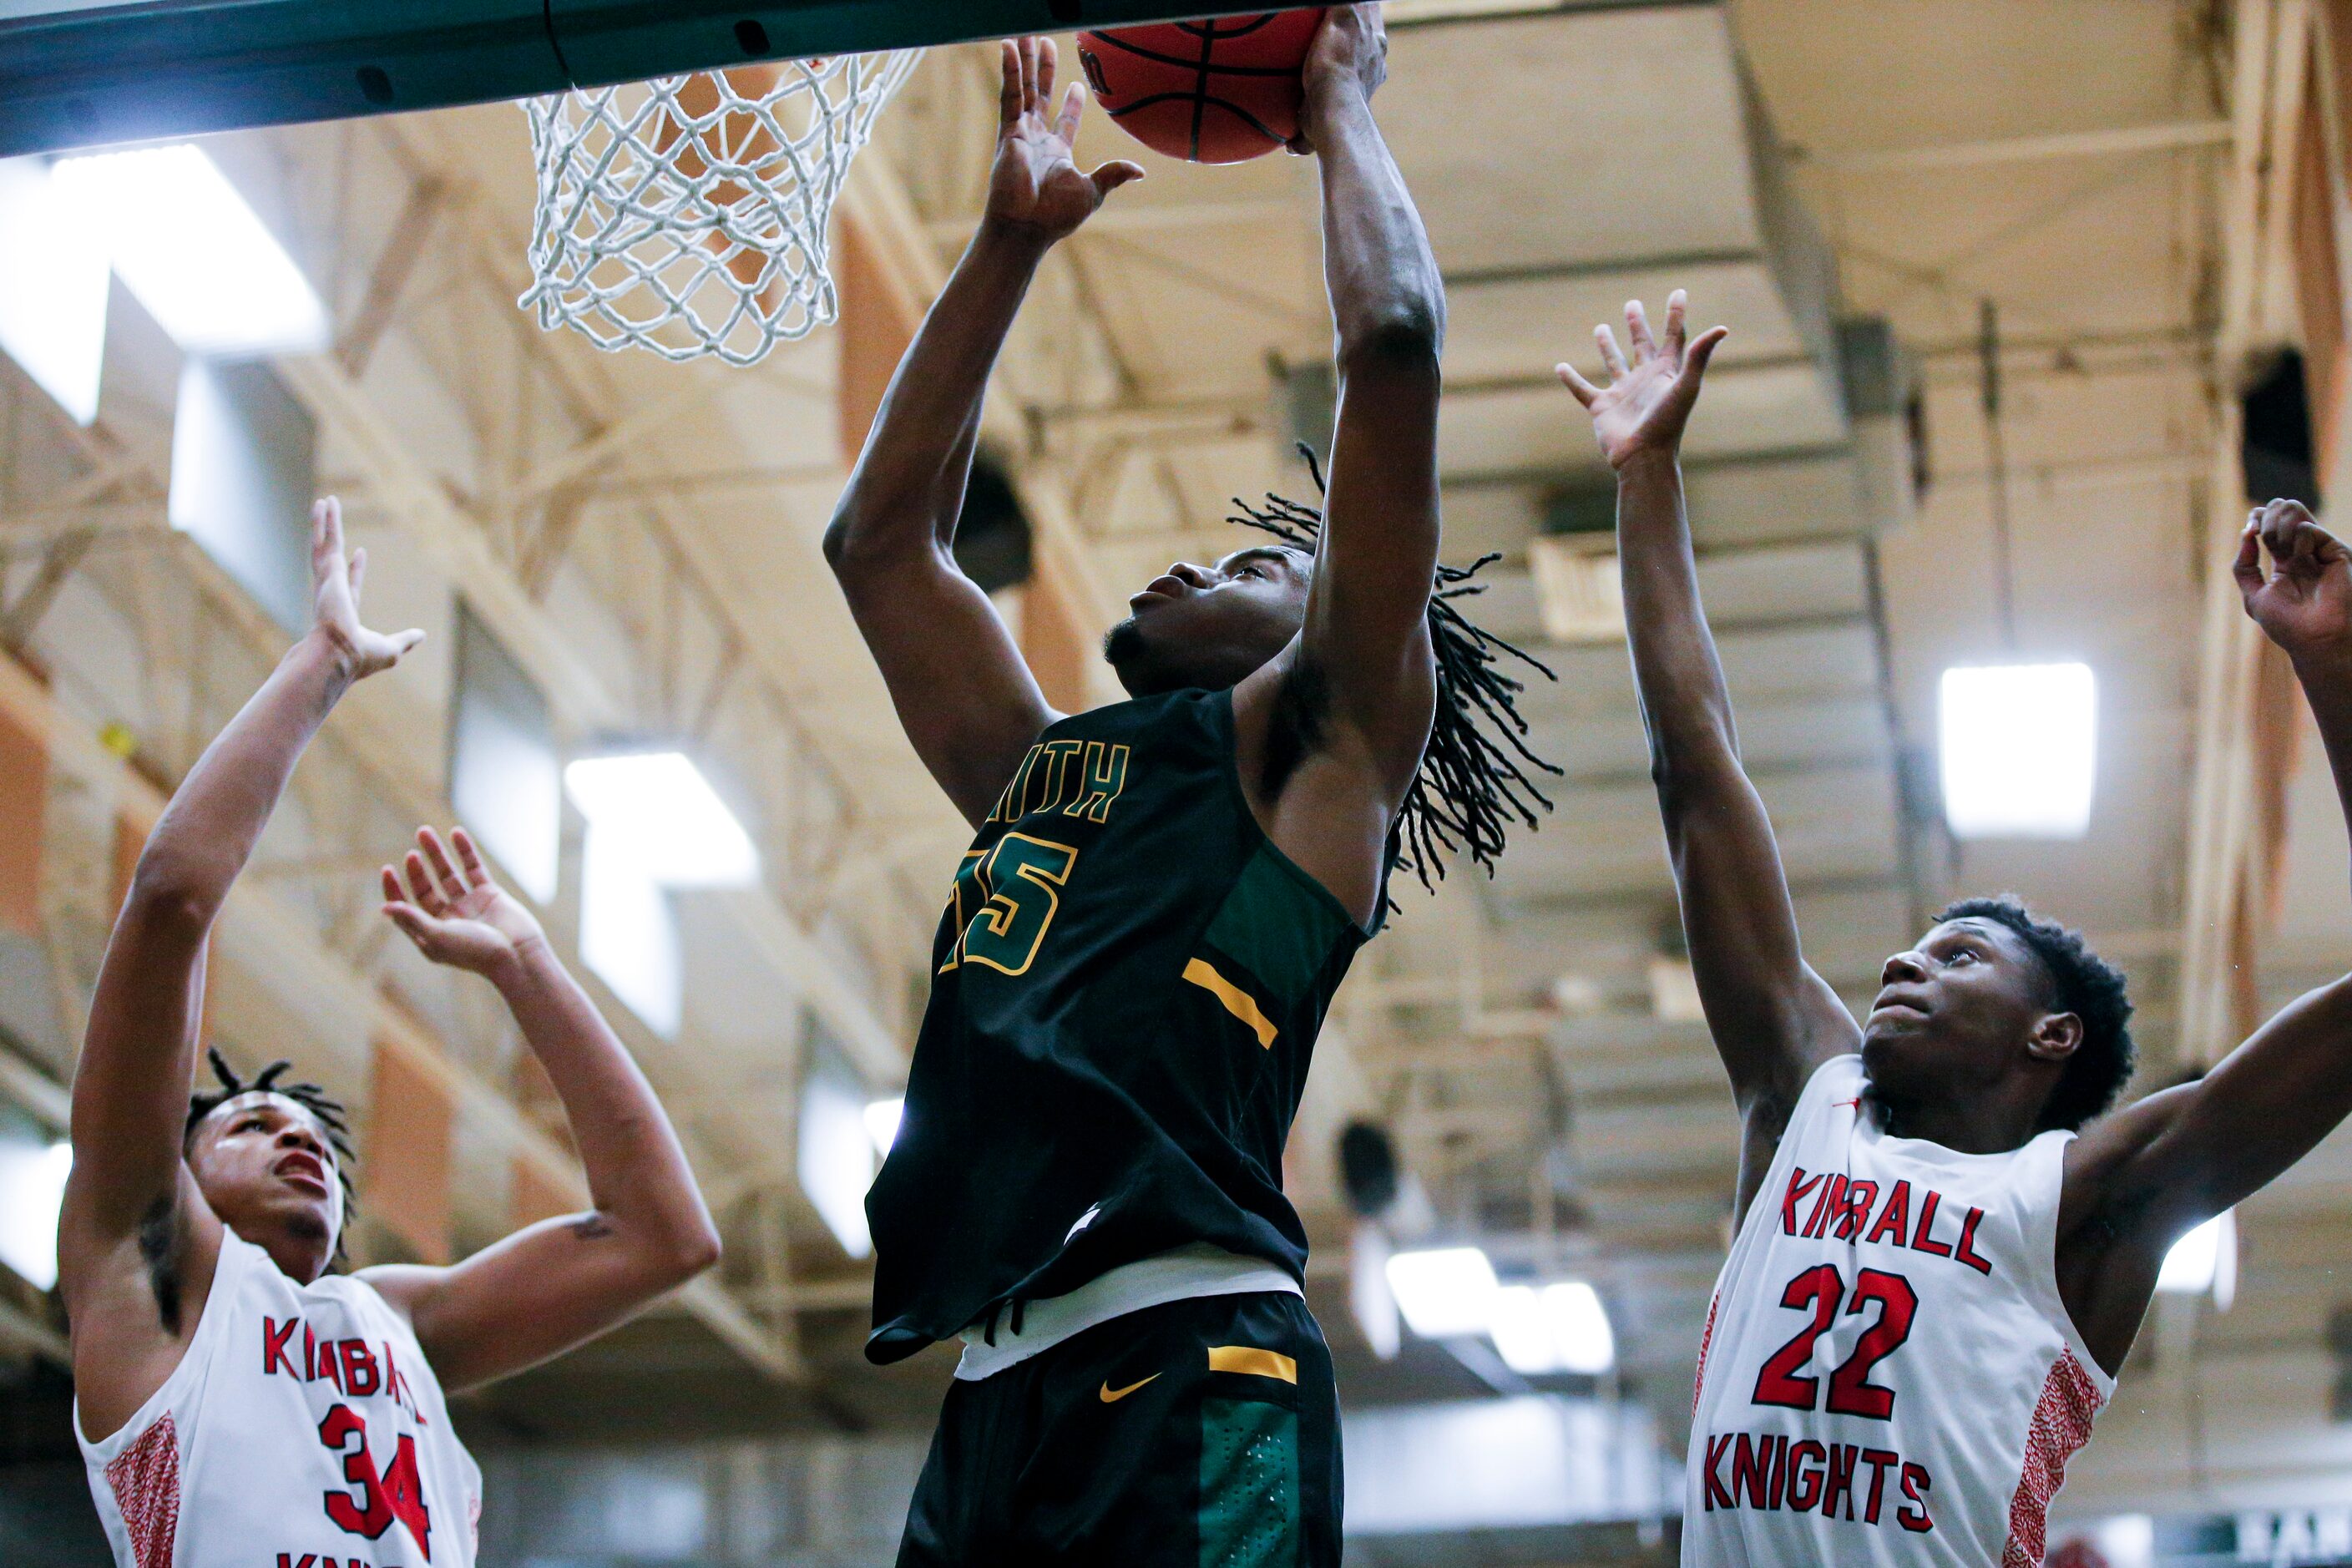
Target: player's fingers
[[1585, 390], [392, 891], [445, 869], [420, 883], [359, 572], [1677, 303], [2248, 566], [1008, 97], [469, 856], [1028, 75], [1113, 174], [2278, 529], [1637, 331], [1694, 358], [1074, 107], [1612, 359], [1049, 60]]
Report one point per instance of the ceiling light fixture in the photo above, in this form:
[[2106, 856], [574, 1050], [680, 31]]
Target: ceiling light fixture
[[190, 250], [1444, 1292], [2018, 745], [658, 808]]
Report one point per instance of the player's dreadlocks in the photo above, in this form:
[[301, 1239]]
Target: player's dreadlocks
[[1468, 786], [308, 1096]]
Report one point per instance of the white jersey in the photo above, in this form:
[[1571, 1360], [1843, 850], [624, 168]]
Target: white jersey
[[303, 1430], [1888, 1375]]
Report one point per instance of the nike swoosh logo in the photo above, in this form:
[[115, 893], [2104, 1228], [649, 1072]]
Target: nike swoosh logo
[[1113, 1396]]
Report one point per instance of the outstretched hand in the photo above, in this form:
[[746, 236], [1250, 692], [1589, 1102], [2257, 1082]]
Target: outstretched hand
[[454, 914], [1644, 405], [1037, 183], [335, 583], [2303, 602]]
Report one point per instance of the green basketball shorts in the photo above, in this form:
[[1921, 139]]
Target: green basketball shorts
[[1200, 1434]]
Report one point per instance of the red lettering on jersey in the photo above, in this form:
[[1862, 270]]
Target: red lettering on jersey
[[396, 1386], [1804, 1485], [1967, 1251], [1856, 1208], [1920, 1240], [1797, 1189], [1780, 1469], [286, 1559], [1715, 1492], [1750, 1465], [1832, 1197], [329, 1371], [1878, 1459], [1894, 1218], [360, 1376], [1840, 1483], [1913, 1515], [273, 1346]]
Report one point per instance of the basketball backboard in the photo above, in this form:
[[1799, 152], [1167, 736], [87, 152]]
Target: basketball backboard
[[78, 73]]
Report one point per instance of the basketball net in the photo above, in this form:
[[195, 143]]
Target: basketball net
[[689, 214]]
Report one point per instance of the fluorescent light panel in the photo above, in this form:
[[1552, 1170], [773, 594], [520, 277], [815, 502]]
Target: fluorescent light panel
[[194, 253], [2205, 1260], [1444, 1293], [628, 934], [32, 1189], [882, 1118], [53, 285], [836, 1161], [2018, 743], [1554, 1329], [656, 807]]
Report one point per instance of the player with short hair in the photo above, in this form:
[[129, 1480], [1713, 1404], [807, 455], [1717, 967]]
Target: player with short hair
[[1939, 1266], [235, 1402], [1160, 897]]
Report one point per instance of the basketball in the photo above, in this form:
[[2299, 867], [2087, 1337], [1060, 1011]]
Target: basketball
[[1216, 91]]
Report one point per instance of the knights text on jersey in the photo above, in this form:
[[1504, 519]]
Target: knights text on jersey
[[1888, 1375], [302, 1429]]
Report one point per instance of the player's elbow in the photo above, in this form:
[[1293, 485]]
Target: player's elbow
[[173, 894], [841, 542], [1403, 337], [688, 1249]]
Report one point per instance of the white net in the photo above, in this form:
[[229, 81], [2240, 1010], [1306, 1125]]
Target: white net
[[689, 214]]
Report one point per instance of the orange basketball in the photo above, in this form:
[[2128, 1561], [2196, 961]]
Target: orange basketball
[[1216, 91]]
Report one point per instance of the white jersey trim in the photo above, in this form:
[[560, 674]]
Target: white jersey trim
[[1182, 1274]]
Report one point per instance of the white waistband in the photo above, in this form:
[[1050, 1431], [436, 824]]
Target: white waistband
[[1179, 1275]]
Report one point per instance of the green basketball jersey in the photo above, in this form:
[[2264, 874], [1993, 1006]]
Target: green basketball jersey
[[1128, 981]]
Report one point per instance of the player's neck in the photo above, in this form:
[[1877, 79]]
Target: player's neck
[[304, 1260], [1966, 1123]]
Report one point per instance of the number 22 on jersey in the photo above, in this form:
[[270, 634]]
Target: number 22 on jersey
[[1005, 897], [1820, 1289]]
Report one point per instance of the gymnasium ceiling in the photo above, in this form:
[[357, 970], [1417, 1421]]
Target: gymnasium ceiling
[[645, 538]]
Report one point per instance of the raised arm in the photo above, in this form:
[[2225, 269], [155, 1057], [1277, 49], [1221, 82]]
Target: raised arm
[[138, 1060], [553, 1285], [1359, 685], [2136, 1180], [963, 694], [1773, 1018]]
